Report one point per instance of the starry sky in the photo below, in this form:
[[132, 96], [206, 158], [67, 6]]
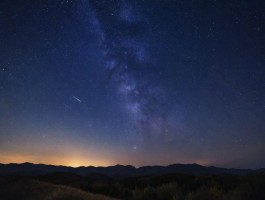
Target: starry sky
[[143, 82]]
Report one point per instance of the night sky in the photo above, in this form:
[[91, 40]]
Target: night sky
[[132, 82]]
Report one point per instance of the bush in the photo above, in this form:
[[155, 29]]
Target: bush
[[169, 191], [205, 193]]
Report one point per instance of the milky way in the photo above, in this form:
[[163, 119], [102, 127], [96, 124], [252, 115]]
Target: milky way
[[124, 52]]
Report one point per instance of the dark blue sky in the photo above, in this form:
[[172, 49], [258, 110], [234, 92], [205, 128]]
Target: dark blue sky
[[132, 82]]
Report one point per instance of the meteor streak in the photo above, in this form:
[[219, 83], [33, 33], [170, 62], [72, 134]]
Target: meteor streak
[[77, 99]]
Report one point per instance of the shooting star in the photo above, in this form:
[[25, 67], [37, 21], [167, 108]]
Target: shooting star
[[77, 99]]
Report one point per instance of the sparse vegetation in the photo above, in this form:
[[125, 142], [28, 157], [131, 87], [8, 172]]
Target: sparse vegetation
[[167, 187], [184, 187], [33, 190]]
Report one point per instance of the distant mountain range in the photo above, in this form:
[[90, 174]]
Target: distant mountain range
[[121, 170]]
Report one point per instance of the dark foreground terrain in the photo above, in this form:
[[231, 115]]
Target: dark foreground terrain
[[29, 189], [155, 186]]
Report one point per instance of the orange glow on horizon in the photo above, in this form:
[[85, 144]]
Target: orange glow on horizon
[[73, 161], [53, 160]]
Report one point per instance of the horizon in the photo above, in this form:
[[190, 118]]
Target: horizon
[[125, 165], [19, 163], [89, 82]]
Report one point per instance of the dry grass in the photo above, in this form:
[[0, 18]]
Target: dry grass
[[37, 190]]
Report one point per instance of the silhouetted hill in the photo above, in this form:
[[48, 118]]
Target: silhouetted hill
[[261, 170], [120, 170]]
